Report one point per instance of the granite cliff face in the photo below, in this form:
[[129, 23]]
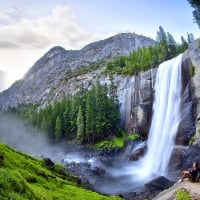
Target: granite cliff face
[[63, 71], [193, 54]]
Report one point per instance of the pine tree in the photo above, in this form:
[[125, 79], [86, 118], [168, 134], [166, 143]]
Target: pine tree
[[162, 40], [171, 45], [80, 125], [58, 129], [44, 124], [101, 110], [184, 44], [67, 117], [91, 115], [196, 12], [190, 38]]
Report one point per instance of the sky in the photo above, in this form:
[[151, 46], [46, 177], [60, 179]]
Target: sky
[[29, 28]]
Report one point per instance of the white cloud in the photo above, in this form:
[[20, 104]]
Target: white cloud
[[58, 28], [10, 16], [24, 40]]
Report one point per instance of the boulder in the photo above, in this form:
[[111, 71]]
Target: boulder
[[177, 158], [49, 163], [135, 155], [158, 184], [150, 190]]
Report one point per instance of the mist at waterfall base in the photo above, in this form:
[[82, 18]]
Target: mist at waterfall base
[[22, 137], [121, 175]]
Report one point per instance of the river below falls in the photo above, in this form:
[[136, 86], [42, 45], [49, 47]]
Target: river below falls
[[107, 174]]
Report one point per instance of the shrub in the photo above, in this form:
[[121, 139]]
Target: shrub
[[183, 194]]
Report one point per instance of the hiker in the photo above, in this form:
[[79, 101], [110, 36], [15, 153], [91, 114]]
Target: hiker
[[191, 173]]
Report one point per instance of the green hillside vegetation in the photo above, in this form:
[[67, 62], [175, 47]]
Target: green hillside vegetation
[[23, 177]]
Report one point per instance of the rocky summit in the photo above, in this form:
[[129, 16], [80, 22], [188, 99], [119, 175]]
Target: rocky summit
[[58, 70]]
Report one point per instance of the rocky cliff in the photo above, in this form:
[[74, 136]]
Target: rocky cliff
[[63, 71], [193, 54]]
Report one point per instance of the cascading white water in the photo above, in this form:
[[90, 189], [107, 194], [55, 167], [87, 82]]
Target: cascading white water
[[165, 120], [123, 176]]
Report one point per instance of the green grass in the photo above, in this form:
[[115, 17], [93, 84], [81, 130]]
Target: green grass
[[23, 177], [133, 136], [115, 142], [183, 194]]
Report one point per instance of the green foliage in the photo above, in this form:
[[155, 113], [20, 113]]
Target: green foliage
[[90, 115], [58, 129], [133, 136], [191, 140], [80, 125], [196, 12], [23, 177], [192, 70], [116, 141], [83, 70], [182, 194]]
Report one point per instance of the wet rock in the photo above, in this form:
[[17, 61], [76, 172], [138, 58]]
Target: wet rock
[[49, 163], [137, 154], [191, 155], [150, 189], [194, 55], [158, 184], [98, 170], [177, 158]]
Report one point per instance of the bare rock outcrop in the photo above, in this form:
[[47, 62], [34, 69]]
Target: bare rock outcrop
[[194, 55]]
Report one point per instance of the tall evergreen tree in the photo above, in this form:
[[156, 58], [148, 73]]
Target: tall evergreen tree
[[171, 45], [184, 44], [190, 37], [91, 114], [196, 12], [58, 129], [101, 109], [67, 116], [80, 125], [162, 40]]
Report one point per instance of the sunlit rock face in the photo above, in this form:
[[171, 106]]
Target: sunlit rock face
[[136, 98], [194, 55]]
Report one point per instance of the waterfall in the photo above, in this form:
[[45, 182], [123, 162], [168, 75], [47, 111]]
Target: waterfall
[[165, 119]]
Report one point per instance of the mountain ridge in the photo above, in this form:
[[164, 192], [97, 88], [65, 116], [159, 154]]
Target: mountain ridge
[[40, 83]]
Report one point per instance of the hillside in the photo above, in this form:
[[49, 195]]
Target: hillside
[[23, 177]]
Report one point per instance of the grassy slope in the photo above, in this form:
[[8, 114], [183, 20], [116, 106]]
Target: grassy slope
[[23, 177]]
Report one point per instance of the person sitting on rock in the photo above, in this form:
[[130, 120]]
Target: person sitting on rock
[[191, 173]]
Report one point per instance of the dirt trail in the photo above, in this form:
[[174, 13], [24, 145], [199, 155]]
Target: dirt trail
[[192, 188]]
